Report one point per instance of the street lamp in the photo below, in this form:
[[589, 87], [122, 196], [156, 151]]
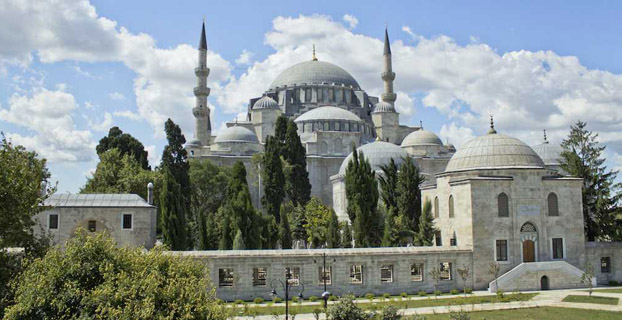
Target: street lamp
[[326, 294], [286, 287]]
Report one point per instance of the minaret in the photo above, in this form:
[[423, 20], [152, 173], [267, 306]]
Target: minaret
[[203, 126], [388, 75]]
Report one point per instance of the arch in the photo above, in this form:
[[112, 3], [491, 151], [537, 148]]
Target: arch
[[435, 207], [544, 283], [503, 207], [528, 227], [451, 206], [553, 205]]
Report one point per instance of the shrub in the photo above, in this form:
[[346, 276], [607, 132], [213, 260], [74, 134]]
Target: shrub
[[468, 290], [332, 298], [500, 294], [386, 295], [370, 296], [346, 309], [258, 300], [422, 293], [313, 298], [613, 283], [437, 292], [295, 299], [390, 313], [454, 291], [277, 300], [403, 294], [239, 301], [460, 315]]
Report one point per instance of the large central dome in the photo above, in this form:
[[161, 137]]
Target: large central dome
[[314, 72]]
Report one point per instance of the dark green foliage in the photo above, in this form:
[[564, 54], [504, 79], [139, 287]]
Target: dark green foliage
[[346, 309], [226, 240], [126, 144], [362, 196], [333, 236], [238, 241], [582, 158], [280, 128], [175, 197], [209, 188], [285, 233], [425, 235], [298, 187], [273, 179], [388, 185], [346, 235], [94, 279], [299, 222], [409, 196], [390, 236], [270, 232]]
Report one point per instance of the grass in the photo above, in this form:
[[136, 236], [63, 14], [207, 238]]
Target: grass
[[250, 310], [592, 299], [548, 313], [617, 290]]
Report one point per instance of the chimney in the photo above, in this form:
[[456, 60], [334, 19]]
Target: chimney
[[150, 193], [43, 189]]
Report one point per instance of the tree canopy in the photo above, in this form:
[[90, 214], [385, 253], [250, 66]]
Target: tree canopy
[[126, 144]]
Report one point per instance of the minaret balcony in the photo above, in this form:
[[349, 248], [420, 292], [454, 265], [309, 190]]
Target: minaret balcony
[[201, 91], [200, 112], [386, 76], [389, 97], [201, 71]]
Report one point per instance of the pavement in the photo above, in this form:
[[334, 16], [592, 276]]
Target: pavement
[[548, 298]]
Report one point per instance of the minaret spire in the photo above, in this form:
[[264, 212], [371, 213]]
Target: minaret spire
[[545, 140], [203, 126], [313, 58], [492, 126], [388, 75]]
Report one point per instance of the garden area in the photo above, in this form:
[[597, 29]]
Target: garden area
[[591, 299], [548, 313]]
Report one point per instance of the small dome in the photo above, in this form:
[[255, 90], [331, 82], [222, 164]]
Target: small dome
[[450, 147], [421, 138], [378, 153], [384, 107], [265, 103], [314, 72], [328, 113], [193, 143], [236, 134], [494, 151], [549, 153]]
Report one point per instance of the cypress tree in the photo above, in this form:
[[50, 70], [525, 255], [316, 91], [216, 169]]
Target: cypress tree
[[273, 178], [270, 232], [298, 186], [239, 208], [175, 196], [390, 236], [582, 158], [226, 242], [280, 128], [238, 242], [346, 238], [425, 234], [333, 236], [285, 232], [299, 233], [409, 196], [388, 185]]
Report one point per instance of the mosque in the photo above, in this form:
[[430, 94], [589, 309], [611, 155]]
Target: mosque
[[495, 200]]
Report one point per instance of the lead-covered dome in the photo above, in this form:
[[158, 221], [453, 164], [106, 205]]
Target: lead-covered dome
[[494, 151], [422, 138], [328, 113], [236, 134], [549, 153], [265, 103], [378, 153], [314, 72]]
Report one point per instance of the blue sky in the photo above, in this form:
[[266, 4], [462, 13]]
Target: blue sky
[[70, 70]]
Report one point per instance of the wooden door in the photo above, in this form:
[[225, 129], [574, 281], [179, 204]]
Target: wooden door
[[529, 252]]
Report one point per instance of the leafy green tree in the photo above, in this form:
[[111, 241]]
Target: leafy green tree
[[238, 208], [346, 235], [346, 309], [273, 179], [318, 218], [333, 235], [94, 279], [226, 240], [409, 196], [209, 188], [285, 233], [362, 197], [270, 232], [425, 234], [299, 233], [175, 197], [582, 158], [390, 236], [126, 144], [298, 187], [238, 241]]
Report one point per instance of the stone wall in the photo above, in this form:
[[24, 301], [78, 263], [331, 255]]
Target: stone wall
[[596, 251]]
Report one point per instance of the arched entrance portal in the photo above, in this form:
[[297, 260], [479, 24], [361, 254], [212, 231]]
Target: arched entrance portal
[[529, 239], [544, 283]]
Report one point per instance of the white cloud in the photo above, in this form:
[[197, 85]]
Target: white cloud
[[455, 135], [127, 114], [351, 20], [102, 126], [152, 155], [48, 114], [116, 96], [244, 58]]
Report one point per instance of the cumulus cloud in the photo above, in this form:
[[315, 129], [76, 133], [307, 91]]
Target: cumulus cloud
[[127, 114], [103, 125], [48, 114], [455, 135], [116, 96], [244, 58], [351, 20]]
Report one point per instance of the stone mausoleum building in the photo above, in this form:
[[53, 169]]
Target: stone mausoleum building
[[495, 200]]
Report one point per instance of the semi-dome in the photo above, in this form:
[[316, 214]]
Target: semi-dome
[[265, 103], [549, 153], [328, 113], [378, 153], [236, 134], [494, 151], [193, 143], [421, 138], [314, 72], [383, 106]]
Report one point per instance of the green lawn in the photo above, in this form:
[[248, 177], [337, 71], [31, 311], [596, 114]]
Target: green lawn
[[543, 313], [251, 309], [592, 299], [609, 290]]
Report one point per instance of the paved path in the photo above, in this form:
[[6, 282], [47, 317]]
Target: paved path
[[551, 298]]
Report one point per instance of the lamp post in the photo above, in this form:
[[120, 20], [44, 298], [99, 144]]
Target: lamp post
[[326, 294], [286, 287]]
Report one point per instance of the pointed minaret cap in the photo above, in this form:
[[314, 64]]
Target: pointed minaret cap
[[545, 139], [203, 43], [492, 126], [313, 57], [387, 46]]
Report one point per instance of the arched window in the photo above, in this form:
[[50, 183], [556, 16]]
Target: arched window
[[436, 207], [337, 126], [553, 208], [451, 206], [502, 205], [326, 126], [528, 227]]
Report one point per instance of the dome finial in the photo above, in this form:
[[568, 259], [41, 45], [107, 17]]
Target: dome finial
[[492, 126], [421, 124], [545, 140], [314, 58]]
